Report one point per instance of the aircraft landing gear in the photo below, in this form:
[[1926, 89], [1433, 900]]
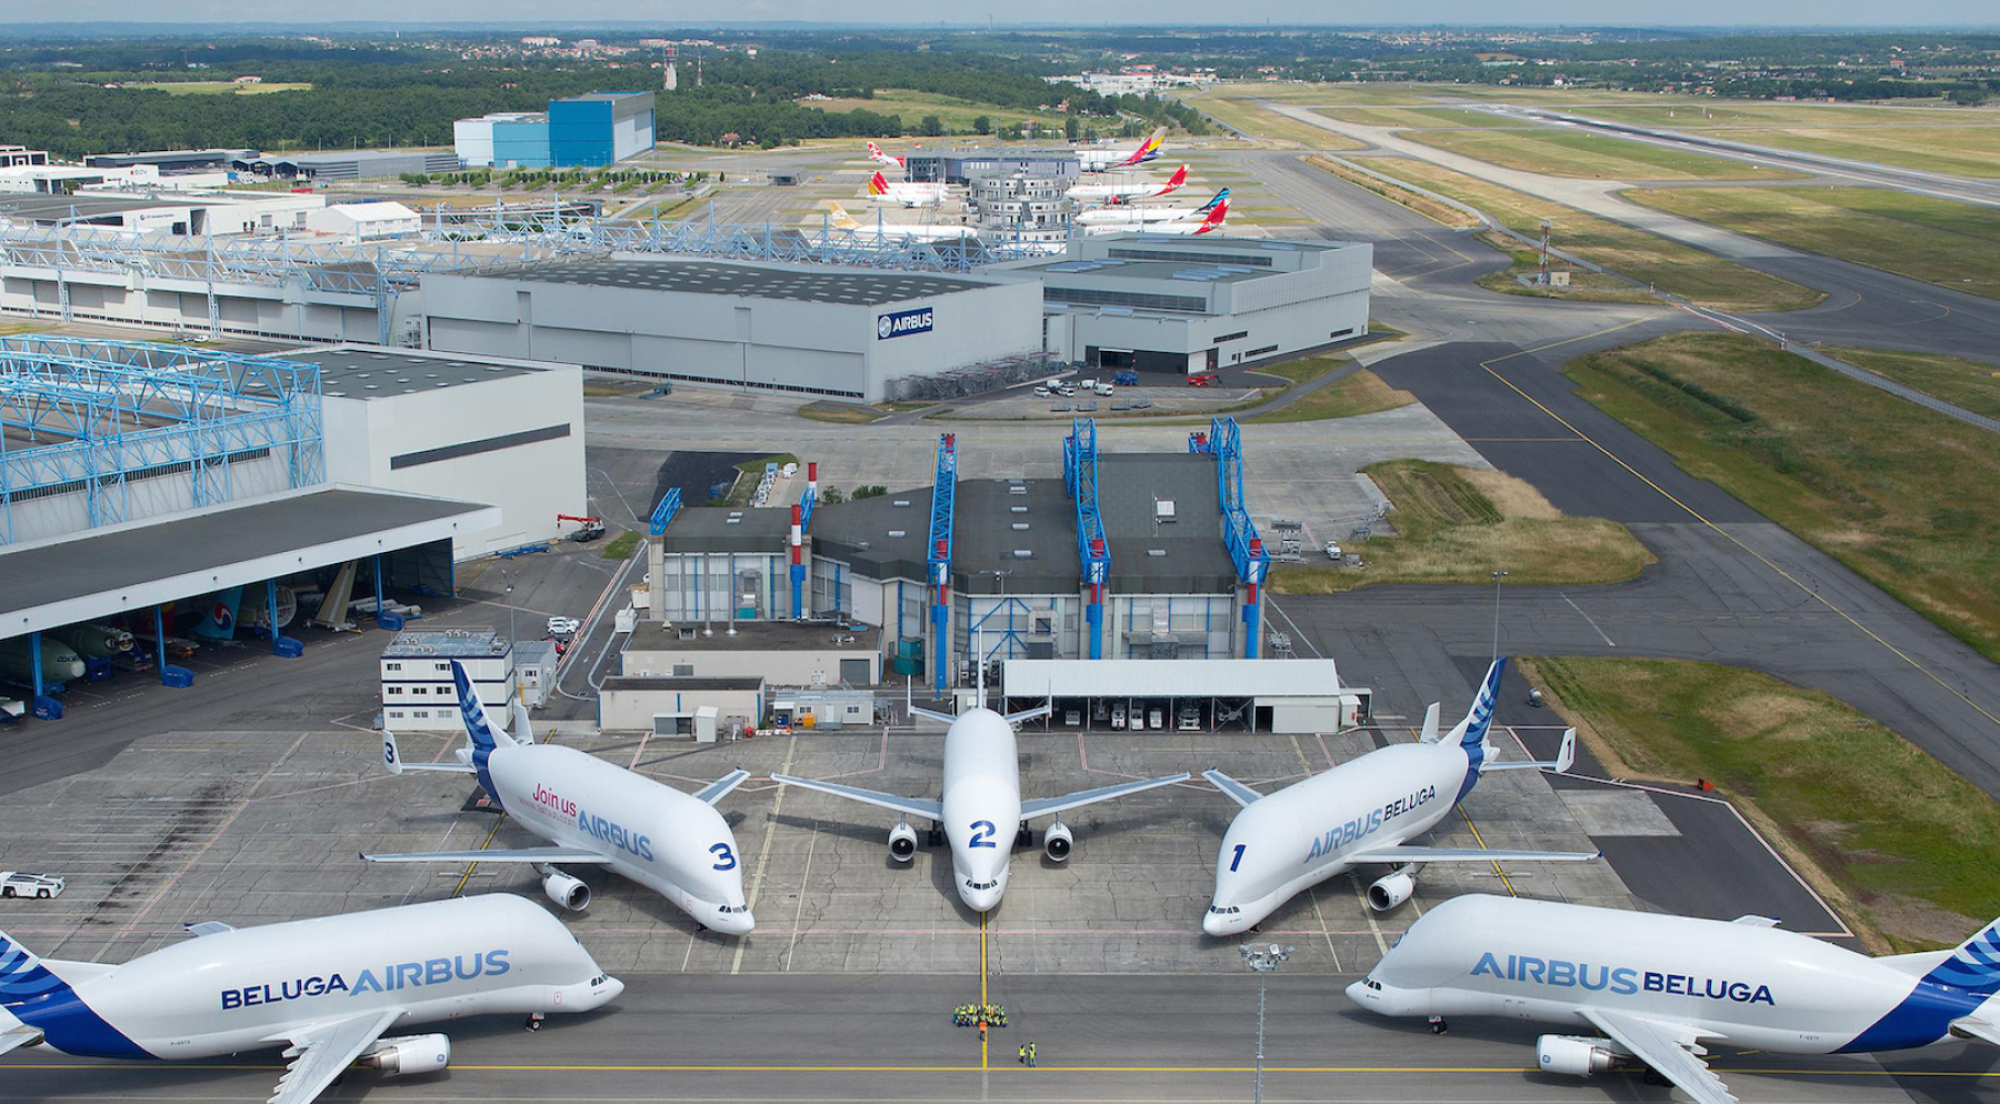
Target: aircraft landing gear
[[1438, 1026], [535, 1021]]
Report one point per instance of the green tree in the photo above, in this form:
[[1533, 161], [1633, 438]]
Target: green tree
[[931, 126], [982, 124], [1071, 128]]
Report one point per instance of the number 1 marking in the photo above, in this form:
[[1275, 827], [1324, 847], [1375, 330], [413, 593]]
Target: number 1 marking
[[1237, 859]]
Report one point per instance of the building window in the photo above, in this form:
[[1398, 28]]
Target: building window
[[1262, 351], [395, 690], [395, 666], [421, 714], [683, 670], [1231, 337], [420, 690]]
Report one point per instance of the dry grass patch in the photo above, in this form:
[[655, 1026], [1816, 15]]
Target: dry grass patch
[[1457, 525], [1585, 154], [1361, 393], [1440, 213], [1899, 843]]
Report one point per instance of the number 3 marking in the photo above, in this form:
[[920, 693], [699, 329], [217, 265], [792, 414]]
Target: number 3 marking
[[725, 859], [983, 833], [1237, 859]]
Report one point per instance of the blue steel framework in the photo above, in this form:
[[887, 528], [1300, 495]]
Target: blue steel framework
[[944, 498], [1093, 553], [663, 514], [100, 413], [1239, 533]]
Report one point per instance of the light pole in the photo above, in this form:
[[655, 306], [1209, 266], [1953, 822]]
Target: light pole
[[1263, 958], [1497, 576], [509, 576]]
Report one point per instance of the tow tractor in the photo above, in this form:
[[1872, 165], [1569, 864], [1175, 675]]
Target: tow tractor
[[588, 528]]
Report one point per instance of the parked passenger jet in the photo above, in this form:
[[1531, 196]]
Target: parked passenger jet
[[888, 160], [891, 231], [1104, 159], [1659, 990], [1119, 193], [326, 990], [981, 806], [1148, 215], [881, 190], [673, 843], [1208, 223], [1363, 812]]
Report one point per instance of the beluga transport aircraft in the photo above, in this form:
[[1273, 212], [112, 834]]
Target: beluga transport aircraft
[[326, 990], [1363, 812], [1658, 991], [981, 814], [595, 813]]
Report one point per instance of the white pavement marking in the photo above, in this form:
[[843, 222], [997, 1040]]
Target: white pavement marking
[[1593, 623], [799, 913], [764, 855]]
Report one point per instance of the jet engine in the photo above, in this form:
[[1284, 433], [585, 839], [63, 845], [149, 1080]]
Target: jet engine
[[1575, 1055], [902, 842], [566, 891], [1391, 890], [407, 1055], [1057, 842]]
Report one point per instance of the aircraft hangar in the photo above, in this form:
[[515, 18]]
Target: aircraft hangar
[[158, 498]]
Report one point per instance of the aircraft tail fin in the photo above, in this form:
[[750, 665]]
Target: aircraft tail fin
[[1148, 149], [219, 623], [1430, 733], [1975, 965], [479, 728], [839, 217], [1470, 733], [1217, 215], [1214, 201], [1175, 181], [878, 185]]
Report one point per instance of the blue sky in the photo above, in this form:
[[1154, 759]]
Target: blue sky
[[1703, 13]]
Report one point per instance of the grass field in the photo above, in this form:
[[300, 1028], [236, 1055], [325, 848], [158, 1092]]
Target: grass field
[[1906, 845], [1967, 383], [1361, 393], [1457, 525], [1261, 122], [1959, 151], [1908, 498], [1649, 258], [1585, 155], [209, 88], [621, 546], [1688, 114], [955, 113], [840, 413], [1937, 240]]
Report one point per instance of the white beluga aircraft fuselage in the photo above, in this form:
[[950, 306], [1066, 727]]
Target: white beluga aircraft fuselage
[[596, 813], [980, 812], [1362, 812], [1655, 990], [327, 989]]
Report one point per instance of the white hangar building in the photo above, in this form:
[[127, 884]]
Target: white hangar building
[[843, 332], [1170, 303]]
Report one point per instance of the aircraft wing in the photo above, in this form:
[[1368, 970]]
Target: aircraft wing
[[1402, 853], [908, 806], [1241, 794], [1965, 1027], [323, 1052], [208, 927], [1066, 802], [717, 790], [1669, 1048], [524, 855]]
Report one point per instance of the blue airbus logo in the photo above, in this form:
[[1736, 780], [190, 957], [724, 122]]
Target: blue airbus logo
[[615, 834], [1622, 980], [398, 975], [1340, 835], [903, 323]]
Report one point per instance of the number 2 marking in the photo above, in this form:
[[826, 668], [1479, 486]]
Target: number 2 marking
[[983, 833], [1237, 859], [725, 859]]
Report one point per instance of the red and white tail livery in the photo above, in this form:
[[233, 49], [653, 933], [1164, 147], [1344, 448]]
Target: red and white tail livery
[[876, 155]]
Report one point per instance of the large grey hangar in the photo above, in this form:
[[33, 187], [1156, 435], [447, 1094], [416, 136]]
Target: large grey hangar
[[861, 334]]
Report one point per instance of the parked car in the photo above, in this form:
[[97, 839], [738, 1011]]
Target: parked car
[[1332, 550], [1041, 392], [1118, 716], [1104, 389], [20, 883], [564, 626]]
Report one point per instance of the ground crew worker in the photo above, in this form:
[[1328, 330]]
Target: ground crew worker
[[1022, 1058], [1031, 1056]]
